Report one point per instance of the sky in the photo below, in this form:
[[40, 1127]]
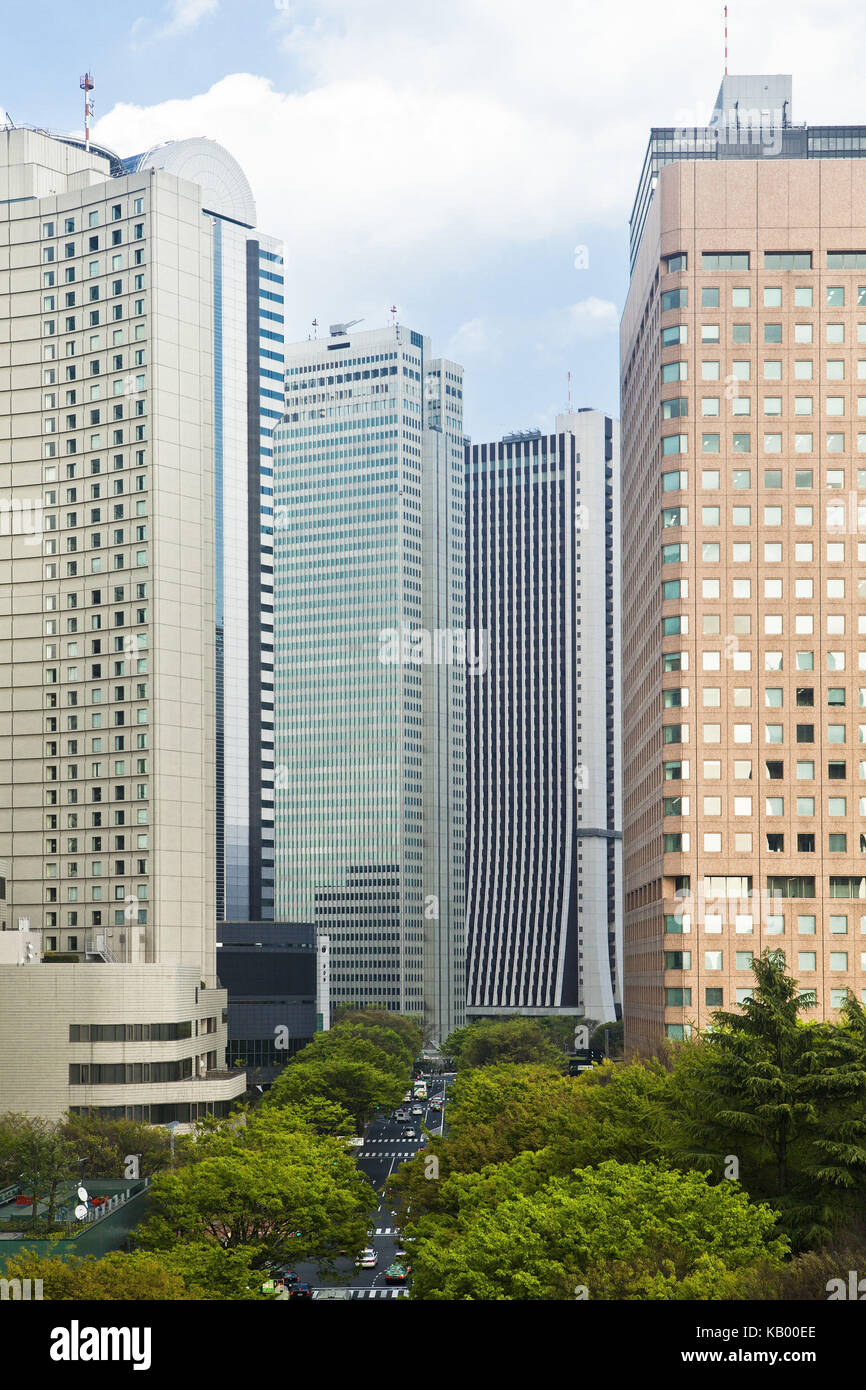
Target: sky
[[472, 161]]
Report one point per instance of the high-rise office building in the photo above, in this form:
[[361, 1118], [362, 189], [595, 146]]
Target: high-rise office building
[[248, 336], [744, 562], [543, 909], [108, 992], [370, 667]]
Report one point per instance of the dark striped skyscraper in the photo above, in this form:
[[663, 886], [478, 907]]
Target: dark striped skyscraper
[[543, 733]]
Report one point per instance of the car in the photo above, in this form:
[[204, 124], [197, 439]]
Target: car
[[300, 1291], [397, 1274], [417, 1110], [410, 1133], [400, 1115], [368, 1259]]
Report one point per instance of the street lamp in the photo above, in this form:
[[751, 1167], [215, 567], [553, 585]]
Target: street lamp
[[171, 1127]]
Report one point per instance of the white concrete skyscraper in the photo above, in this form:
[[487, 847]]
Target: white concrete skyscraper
[[543, 900], [370, 669], [108, 992]]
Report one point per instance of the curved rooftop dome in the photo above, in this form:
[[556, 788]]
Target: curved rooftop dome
[[224, 185]]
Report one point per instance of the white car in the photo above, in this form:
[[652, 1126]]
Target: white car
[[368, 1259], [409, 1134]]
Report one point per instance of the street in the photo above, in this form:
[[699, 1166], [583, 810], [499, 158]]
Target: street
[[385, 1147]]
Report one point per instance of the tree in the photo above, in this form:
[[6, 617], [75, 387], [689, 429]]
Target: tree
[[36, 1152], [104, 1145], [490, 1041], [609, 1038], [500, 1112], [787, 1099], [189, 1273], [285, 1193], [358, 1087], [407, 1027], [619, 1231]]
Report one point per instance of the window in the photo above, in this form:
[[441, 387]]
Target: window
[[673, 264], [724, 260], [787, 260], [675, 299], [676, 997], [709, 298], [672, 336]]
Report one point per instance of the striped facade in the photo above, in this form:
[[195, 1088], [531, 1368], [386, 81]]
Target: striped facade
[[543, 801]]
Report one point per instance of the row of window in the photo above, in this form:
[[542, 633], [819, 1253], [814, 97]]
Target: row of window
[[678, 334], [714, 960], [773, 260], [679, 842], [130, 1032]]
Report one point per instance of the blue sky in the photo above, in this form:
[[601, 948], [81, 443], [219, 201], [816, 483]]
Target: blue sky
[[448, 157]]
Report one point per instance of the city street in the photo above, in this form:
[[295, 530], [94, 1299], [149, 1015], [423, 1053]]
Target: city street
[[384, 1149]]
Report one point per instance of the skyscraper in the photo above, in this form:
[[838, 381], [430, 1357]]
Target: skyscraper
[[369, 668], [109, 999], [543, 910], [744, 641], [248, 336]]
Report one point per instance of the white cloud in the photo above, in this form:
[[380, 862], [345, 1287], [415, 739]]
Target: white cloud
[[182, 17], [404, 150]]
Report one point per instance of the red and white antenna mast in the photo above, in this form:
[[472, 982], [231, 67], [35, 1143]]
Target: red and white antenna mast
[[315, 329], [569, 393], [393, 315], [86, 85]]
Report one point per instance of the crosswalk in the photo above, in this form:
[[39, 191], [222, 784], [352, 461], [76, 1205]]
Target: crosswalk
[[368, 1152], [379, 1293], [386, 1230]]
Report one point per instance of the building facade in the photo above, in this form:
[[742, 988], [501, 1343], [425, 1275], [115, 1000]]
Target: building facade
[[248, 336], [269, 971], [744, 640], [369, 746], [543, 851], [107, 698]]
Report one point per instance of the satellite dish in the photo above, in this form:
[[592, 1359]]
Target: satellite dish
[[80, 1213], [82, 1194]]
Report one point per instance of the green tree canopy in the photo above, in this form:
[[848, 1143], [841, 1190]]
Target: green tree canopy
[[491, 1041], [286, 1193], [621, 1231], [785, 1098]]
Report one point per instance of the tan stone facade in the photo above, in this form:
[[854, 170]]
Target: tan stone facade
[[744, 580], [107, 666]]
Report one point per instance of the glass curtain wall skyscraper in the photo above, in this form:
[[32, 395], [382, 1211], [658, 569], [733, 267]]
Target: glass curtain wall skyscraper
[[369, 747]]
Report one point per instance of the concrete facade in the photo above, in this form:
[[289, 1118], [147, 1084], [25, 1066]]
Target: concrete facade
[[744, 579], [107, 672]]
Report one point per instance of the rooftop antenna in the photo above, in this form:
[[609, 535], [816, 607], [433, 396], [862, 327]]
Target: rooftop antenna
[[393, 315], [315, 329], [569, 393], [726, 41], [86, 85]]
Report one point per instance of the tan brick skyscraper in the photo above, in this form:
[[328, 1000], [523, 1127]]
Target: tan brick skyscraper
[[744, 569]]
